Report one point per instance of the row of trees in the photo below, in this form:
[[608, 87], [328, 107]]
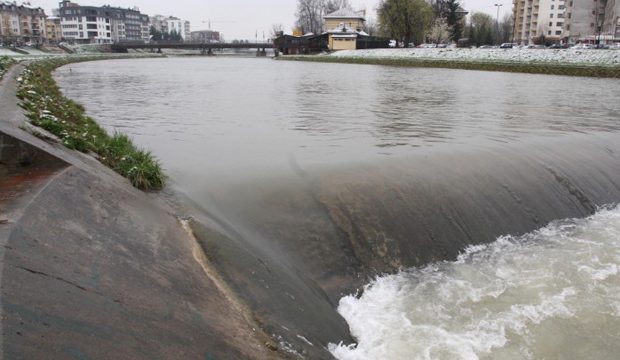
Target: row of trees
[[157, 35], [412, 21], [439, 21], [416, 21]]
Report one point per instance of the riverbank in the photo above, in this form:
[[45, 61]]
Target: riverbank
[[590, 63], [48, 109], [93, 268]]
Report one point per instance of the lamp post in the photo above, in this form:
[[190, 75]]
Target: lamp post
[[497, 22]]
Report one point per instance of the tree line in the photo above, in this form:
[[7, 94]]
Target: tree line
[[412, 22]]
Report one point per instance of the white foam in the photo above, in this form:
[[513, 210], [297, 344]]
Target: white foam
[[553, 293]]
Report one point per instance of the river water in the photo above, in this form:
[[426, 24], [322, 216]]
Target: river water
[[552, 293]]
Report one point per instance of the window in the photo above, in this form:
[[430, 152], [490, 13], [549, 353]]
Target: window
[[549, 32], [560, 16], [559, 32], [552, 6], [570, 4], [567, 27], [551, 16], [559, 24], [591, 25], [569, 15], [561, 7], [550, 23]]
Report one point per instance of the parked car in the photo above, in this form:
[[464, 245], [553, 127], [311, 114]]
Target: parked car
[[507, 45], [558, 46]]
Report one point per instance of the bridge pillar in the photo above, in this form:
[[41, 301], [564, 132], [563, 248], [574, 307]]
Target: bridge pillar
[[159, 50], [203, 51], [210, 52], [261, 52]]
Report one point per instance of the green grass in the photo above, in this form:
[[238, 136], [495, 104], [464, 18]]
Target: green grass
[[532, 68], [48, 108], [5, 63]]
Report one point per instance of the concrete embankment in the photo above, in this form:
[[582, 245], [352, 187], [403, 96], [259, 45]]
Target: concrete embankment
[[92, 268]]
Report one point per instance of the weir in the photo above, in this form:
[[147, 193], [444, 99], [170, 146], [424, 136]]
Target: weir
[[269, 256], [292, 247]]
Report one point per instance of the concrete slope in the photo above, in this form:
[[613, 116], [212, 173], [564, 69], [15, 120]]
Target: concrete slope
[[93, 269]]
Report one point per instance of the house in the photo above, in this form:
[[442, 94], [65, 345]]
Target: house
[[343, 27]]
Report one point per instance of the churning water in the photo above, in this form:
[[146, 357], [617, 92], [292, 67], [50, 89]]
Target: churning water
[[551, 294]]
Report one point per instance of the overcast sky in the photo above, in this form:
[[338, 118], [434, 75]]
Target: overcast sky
[[241, 19]]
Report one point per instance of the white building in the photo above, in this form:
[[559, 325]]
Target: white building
[[166, 24], [102, 25], [536, 20]]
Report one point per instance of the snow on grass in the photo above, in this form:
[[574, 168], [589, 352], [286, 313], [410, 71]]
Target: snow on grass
[[589, 57]]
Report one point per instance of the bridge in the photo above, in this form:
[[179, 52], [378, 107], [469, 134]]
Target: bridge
[[205, 48]]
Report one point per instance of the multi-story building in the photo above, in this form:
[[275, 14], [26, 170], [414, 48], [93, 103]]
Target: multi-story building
[[102, 25], [166, 24], [538, 20], [21, 23], [611, 23], [584, 20], [205, 36], [53, 29], [572, 21]]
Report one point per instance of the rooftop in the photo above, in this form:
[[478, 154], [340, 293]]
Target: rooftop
[[346, 13]]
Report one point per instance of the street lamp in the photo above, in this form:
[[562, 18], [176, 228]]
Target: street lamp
[[497, 21]]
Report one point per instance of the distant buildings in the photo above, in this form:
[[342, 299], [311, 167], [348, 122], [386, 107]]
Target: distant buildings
[[570, 21], [102, 25], [21, 24], [205, 36], [342, 30], [170, 24]]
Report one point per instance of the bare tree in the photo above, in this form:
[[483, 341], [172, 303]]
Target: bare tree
[[276, 30], [310, 16], [334, 5]]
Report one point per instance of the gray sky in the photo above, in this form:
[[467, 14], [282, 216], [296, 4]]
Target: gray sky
[[240, 19]]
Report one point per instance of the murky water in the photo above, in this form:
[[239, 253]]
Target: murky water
[[225, 114], [554, 293], [550, 294]]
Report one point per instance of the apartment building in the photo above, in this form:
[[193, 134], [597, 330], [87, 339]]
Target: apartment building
[[538, 20], [21, 24], [53, 29], [611, 22], [584, 22], [166, 24], [102, 25]]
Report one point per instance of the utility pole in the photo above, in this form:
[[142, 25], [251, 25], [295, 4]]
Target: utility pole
[[497, 23]]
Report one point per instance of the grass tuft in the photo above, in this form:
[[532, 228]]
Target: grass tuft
[[5, 63], [47, 108]]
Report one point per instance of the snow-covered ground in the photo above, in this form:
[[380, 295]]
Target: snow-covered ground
[[553, 56]]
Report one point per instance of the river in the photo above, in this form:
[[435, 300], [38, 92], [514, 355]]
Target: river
[[273, 146]]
